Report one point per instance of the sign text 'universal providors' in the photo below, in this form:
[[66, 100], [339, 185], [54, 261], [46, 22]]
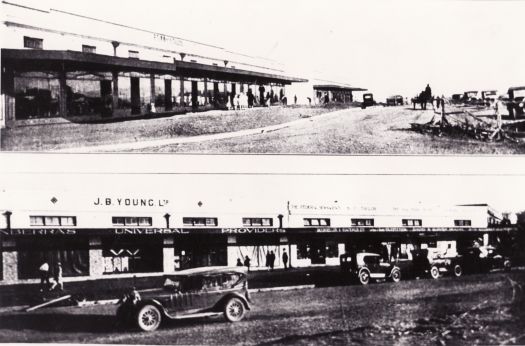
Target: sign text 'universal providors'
[[130, 202]]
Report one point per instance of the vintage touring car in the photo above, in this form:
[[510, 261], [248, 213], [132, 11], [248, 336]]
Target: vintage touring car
[[366, 266], [191, 293]]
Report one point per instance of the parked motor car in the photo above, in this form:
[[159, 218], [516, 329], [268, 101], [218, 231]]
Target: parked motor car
[[394, 100], [196, 292], [483, 259], [446, 265], [516, 101], [368, 100], [366, 266]]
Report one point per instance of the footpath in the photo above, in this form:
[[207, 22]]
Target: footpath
[[24, 295], [120, 147]]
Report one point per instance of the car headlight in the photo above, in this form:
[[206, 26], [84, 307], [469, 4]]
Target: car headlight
[[521, 104]]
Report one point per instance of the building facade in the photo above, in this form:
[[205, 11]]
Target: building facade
[[97, 236], [59, 65]]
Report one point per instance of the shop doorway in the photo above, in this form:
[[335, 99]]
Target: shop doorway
[[135, 95], [200, 252]]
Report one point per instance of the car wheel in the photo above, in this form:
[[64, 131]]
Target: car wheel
[[234, 310], [148, 318], [434, 272], [396, 275], [507, 265], [364, 277], [458, 271]]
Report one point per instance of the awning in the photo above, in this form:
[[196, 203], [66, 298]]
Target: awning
[[26, 59], [333, 87]]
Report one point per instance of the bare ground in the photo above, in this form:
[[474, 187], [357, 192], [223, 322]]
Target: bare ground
[[376, 130], [474, 309]]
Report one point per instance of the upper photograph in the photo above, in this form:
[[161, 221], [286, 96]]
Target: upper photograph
[[271, 77]]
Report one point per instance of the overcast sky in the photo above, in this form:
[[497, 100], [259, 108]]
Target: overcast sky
[[388, 47], [269, 179]]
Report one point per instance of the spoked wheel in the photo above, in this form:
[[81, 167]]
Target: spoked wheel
[[507, 265], [364, 277], [396, 275], [148, 318], [434, 272], [234, 310], [458, 271]]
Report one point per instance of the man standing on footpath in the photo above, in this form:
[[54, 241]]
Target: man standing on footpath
[[44, 276], [285, 259]]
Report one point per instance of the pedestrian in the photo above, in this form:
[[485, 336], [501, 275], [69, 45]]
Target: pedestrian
[[285, 259], [247, 262], [268, 260], [58, 277], [272, 260], [295, 99], [44, 276], [239, 262]]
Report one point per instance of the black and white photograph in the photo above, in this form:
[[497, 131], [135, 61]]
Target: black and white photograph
[[295, 77], [269, 258], [262, 173]]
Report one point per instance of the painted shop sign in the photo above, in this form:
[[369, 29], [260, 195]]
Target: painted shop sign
[[130, 202], [39, 231], [151, 231], [251, 230]]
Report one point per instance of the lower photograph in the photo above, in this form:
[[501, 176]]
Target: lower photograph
[[262, 259]]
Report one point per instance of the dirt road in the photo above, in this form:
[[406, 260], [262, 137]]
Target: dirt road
[[375, 130], [474, 309]]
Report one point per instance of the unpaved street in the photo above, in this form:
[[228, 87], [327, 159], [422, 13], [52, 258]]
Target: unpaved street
[[475, 309], [375, 130]]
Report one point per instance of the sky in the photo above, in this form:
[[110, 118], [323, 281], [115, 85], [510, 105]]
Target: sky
[[389, 47], [250, 182]]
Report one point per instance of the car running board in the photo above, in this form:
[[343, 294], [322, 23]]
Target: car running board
[[201, 314]]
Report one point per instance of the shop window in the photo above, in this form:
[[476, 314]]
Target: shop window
[[257, 221], [36, 95], [132, 255], [316, 222], [33, 43], [133, 54], [72, 253], [303, 251], [332, 249], [462, 223], [88, 49], [412, 222], [52, 220], [363, 222], [200, 221], [132, 221]]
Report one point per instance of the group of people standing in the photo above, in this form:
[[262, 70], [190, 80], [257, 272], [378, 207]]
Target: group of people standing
[[270, 260]]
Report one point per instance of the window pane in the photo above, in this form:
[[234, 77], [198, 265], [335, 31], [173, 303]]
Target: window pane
[[266, 222], [211, 222], [118, 221], [144, 221], [68, 221], [131, 221], [52, 221], [246, 221], [307, 222], [35, 43], [36, 220]]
